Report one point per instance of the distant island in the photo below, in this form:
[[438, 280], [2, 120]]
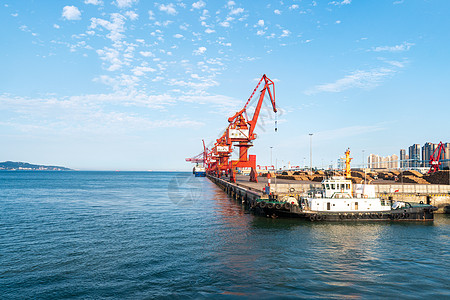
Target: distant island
[[14, 166]]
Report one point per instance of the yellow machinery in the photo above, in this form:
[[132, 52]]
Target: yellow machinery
[[348, 173]]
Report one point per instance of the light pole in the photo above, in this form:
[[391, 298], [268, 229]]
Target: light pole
[[271, 156], [310, 151], [363, 162]]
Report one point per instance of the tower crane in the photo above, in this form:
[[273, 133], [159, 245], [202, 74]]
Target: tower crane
[[240, 131], [434, 159]]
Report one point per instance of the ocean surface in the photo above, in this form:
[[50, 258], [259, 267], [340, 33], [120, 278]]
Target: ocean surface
[[145, 235]]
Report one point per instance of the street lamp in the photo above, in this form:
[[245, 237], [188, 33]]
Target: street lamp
[[310, 151], [271, 156]]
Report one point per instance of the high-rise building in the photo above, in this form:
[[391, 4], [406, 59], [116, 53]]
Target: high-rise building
[[393, 161], [446, 156], [378, 162], [373, 161], [403, 158], [414, 155], [428, 150]]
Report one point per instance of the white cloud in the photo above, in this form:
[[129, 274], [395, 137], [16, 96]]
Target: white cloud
[[178, 36], [398, 48], [151, 15], [231, 3], [115, 26], [124, 3], [94, 2], [199, 51], [277, 12], [209, 30], [198, 4], [344, 2], [357, 79], [224, 24], [236, 11], [71, 13], [293, 6], [132, 15], [286, 33], [260, 32], [261, 23], [141, 70], [169, 8], [146, 53], [56, 26], [338, 22]]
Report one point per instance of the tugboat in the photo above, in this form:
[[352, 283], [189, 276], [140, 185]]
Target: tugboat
[[339, 200]]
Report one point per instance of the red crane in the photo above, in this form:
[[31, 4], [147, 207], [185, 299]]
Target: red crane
[[434, 159], [241, 130]]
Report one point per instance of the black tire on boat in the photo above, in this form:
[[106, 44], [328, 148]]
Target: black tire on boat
[[349, 216], [270, 205], [407, 215], [278, 206], [312, 218], [262, 204], [287, 205], [319, 217], [373, 215], [379, 215], [341, 216]]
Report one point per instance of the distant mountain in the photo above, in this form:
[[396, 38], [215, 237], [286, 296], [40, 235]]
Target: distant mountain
[[12, 166]]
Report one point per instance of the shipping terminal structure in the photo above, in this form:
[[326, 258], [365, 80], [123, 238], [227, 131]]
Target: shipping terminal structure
[[335, 198]]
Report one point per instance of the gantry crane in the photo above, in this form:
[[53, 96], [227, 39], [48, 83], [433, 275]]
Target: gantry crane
[[434, 159], [241, 130]]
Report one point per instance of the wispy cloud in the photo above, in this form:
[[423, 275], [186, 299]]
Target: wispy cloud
[[397, 48], [344, 2], [357, 79]]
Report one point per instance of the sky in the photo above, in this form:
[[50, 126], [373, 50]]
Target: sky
[[137, 85]]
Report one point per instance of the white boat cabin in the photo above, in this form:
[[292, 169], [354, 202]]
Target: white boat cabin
[[339, 195]]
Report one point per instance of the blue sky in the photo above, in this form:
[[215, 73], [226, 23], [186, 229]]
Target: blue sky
[[136, 85]]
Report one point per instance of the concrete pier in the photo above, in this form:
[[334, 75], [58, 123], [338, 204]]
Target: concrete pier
[[247, 192]]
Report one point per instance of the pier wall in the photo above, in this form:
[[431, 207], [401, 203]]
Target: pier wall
[[245, 194]]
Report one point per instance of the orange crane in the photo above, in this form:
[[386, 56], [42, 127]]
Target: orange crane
[[221, 153], [241, 130], [434, 159]]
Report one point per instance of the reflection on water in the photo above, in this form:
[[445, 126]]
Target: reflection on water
[[121, 235]]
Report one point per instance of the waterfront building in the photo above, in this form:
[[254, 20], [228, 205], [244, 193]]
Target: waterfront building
[[393, 161], [446, 156], [403, 161], [373, 161], [414, 155], [428, 150], [378, 162]]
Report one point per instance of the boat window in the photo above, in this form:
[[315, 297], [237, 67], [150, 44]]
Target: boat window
[[332, 186], [348, 186], [323, 186], [328, 186], [342, 186]]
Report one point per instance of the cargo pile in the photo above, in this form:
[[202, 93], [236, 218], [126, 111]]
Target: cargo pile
[[440, 177], [410, 176]]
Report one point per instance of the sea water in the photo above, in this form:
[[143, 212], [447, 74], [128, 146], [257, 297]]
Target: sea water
[[141, 235]]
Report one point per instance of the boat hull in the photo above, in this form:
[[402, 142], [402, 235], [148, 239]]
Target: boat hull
[[422, 213]]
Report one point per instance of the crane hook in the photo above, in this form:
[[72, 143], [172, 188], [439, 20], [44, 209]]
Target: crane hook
[[276, 121]]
